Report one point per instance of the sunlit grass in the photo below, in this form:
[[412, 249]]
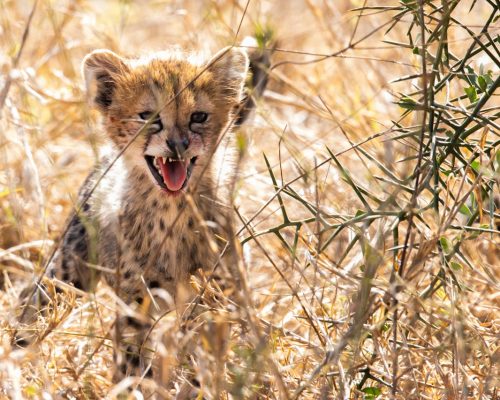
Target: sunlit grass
[[367, 202]]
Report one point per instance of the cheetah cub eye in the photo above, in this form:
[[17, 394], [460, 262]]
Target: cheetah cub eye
[[154, 121], [198, 117]]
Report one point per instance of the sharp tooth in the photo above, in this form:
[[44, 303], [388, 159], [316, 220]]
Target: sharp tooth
[[169, 159]]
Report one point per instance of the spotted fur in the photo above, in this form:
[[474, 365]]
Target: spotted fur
[[128, 231]]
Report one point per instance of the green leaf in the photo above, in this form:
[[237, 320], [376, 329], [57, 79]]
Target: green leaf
[[407, 103], [488, 77], [446, 172], [481, 81], [471, 93], [471, 76], [359, 213], [465, 210], [371, 392], [475, 165], [416, 50], [411, 4], [445, 245], [456, 266]]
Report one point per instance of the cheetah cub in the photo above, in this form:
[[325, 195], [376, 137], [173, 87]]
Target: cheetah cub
[[156, 209]]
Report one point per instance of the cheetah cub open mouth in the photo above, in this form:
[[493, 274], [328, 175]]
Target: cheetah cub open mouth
[[172, 175]]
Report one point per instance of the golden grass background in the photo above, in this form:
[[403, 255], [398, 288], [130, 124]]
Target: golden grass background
[[304, 304]]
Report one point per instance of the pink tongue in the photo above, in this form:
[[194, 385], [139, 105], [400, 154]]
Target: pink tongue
[[174, 174]]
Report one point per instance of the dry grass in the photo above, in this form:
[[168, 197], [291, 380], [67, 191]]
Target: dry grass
[[372, 261]]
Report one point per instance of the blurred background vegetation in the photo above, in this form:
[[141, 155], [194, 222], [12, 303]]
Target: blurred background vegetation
[[367, 204]]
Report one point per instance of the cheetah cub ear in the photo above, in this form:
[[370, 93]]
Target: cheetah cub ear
[[101, 68], [230, 68]]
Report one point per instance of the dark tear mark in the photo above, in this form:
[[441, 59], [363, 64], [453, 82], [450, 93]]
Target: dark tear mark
[[105, 89]]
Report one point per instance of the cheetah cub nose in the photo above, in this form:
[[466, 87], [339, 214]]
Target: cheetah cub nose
[[178, 147]]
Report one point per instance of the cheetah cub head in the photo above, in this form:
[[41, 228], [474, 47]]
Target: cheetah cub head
[[171, 107]]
